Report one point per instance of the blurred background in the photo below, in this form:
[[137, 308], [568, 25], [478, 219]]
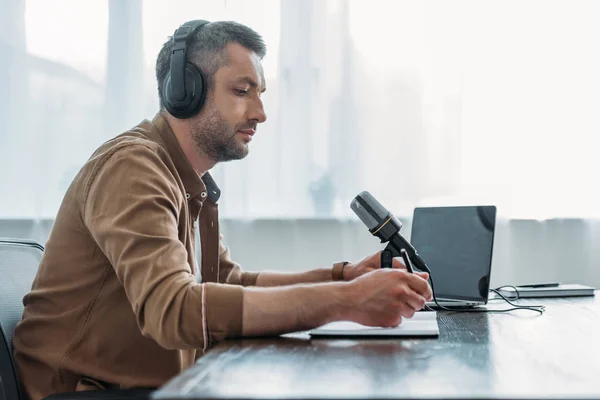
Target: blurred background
[[419, 102]]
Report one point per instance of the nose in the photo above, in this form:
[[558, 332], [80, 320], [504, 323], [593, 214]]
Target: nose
[[258, 112]]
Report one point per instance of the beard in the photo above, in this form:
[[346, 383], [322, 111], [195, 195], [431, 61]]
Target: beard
[[213, 137]]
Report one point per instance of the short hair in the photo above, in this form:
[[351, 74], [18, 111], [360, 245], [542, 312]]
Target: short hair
[[206, 50]]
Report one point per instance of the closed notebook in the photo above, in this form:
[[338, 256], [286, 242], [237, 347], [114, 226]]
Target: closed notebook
[[563, 290], [422, 324]]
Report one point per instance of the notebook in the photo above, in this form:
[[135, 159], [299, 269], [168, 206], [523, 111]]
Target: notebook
[[422, 324], [561, 290]]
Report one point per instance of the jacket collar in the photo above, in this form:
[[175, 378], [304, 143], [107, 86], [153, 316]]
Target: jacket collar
[[194, 185]]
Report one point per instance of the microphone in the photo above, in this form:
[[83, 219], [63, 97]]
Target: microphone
[[386, 227]]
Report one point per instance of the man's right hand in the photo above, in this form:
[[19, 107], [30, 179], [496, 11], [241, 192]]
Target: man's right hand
[[377, 298], [382, 297]]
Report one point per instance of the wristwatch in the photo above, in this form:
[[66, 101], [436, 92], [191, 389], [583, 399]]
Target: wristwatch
[[337, 273]]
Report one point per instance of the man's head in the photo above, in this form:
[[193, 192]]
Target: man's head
[[229, 55]]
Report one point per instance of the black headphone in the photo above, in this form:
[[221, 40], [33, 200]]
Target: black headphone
[[184, 88]]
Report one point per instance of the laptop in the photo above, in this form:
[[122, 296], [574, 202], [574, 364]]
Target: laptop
[[456, 242]]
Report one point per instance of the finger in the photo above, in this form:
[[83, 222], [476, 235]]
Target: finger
[[423, 275], [419, 285], [406, 311], [412, 299], [415, 300], [398, 263]]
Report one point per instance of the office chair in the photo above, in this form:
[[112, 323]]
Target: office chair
[[19, 260]]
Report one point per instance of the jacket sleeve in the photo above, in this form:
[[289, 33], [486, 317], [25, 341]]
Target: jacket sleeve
[[131, 208], [231, 272]]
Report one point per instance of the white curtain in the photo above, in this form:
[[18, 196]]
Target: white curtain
[[428, 102]]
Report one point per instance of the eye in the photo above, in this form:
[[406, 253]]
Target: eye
[[241, 92]]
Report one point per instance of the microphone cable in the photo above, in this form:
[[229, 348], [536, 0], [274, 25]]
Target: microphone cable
[[537, 308]]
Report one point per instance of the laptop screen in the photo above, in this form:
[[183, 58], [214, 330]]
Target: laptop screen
[[456, 243]]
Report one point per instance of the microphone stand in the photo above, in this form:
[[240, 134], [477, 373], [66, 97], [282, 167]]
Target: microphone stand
[[388, 254], [391, 251]]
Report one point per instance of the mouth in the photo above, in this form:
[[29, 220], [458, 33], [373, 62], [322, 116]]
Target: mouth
[[247, 133]]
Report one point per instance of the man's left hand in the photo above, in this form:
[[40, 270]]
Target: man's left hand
[[368, 264]]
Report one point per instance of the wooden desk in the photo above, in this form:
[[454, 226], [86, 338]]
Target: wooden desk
[[478, 355]]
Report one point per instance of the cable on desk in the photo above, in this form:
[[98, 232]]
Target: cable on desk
[[536, 308], [517, 294]]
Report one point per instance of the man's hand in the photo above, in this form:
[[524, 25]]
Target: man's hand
[[368, 264], [384, 296], [380, 297]]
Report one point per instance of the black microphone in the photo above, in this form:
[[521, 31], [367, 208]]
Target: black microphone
[[385, 226]]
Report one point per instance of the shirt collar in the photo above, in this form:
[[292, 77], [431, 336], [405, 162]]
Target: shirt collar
[[194, 185]]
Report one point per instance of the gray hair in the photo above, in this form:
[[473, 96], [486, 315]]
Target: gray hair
[[206, 50]]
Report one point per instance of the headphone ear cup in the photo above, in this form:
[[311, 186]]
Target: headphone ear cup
[[195, 94], [196, 85]]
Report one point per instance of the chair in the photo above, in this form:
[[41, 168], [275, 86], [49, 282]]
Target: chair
[[19, 260]]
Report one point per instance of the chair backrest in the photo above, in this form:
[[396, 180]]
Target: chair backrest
[[19, 260]]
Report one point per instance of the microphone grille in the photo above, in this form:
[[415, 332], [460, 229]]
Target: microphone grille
[[369, 210]]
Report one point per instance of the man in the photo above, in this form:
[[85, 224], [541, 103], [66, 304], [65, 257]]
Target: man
[[119, 300]]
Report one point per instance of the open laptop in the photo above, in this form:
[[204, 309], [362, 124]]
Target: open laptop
[[456, 242]]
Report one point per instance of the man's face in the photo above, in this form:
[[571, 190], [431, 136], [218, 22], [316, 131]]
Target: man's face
[[233, 108]]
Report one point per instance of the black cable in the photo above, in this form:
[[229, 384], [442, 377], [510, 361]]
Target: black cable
[[539, 309], [410, 268], [517, 294]]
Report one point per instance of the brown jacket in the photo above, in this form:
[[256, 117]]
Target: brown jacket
[[116, 301]]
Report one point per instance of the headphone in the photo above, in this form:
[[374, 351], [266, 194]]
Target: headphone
[[184, 87]]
